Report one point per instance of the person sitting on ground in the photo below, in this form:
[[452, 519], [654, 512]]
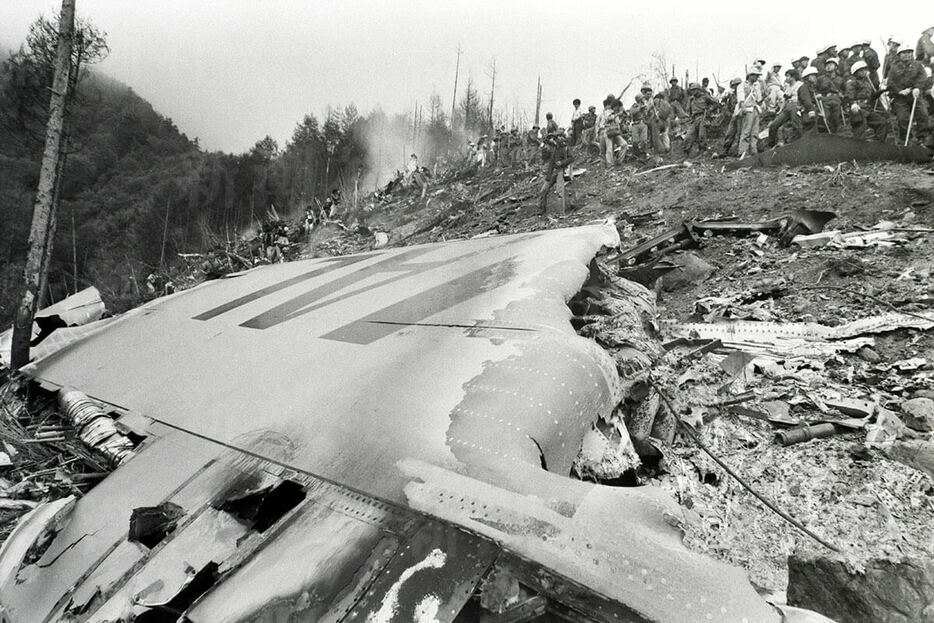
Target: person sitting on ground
[[906, 83], [797, 98], [861, 95], [829, 86]]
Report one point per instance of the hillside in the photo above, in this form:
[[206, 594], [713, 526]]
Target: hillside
[[870, 505]]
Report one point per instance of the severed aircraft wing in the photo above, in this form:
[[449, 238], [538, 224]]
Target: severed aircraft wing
[[360, 438]]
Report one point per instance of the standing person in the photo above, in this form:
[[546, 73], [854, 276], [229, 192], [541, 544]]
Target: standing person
[[705, 84], [924, 51], [676, 99], [829, 87], [699, 103], [588, 121], [577, 122], [664, 113], [749, 98], [612, 134], [639, 132], [774, 76], [731, 136], [906, 80], [828, 51], [860, 97], [868, 55], [551, 126], [556, 157], [891, 56], [533, 144], [846, 58]]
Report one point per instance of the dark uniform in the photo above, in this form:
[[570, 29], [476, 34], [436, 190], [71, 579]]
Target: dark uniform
[[699, 103], [829, 89], [556, 156], [908, 74], [796, 112], [871, 59], [860, 97], [676, 98]]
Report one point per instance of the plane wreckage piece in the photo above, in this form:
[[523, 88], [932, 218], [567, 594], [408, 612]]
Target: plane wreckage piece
[[361, 438], [816, 148]]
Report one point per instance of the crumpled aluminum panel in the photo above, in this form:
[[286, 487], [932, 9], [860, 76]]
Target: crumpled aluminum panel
[[456, 357]]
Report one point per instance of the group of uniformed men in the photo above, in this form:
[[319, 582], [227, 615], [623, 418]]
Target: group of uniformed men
[[838, 89]]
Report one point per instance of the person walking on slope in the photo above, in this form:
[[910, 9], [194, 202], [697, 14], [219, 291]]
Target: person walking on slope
[[748, 100], [699, 103], [556, 157]]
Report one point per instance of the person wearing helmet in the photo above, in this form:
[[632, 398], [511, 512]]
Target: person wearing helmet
[[638, 131], [700, 105], [828, 51], [663, 114], [860, 97], [924, 51], [846, 58], [829, 87], [556, 157], [798, 111], [748, 102], [865, 53], [891, 56], [905, 84]]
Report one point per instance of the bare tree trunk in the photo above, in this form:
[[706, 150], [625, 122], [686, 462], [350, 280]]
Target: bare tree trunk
[[165, 233], [43, 216], [457, 68], [492, 89]]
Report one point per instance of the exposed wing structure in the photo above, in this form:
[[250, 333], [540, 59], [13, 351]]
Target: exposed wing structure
[[361, 438]]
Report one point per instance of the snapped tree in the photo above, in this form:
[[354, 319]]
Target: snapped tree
[[42, 229]]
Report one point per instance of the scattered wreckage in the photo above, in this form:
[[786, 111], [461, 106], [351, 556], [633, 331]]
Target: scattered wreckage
[[372, 437]]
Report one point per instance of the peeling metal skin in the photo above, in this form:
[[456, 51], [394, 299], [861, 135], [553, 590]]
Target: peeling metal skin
[[409, 398]]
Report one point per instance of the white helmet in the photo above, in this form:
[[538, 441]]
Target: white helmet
[[835, 61], [857, 66], [905, 48], [810, 71]]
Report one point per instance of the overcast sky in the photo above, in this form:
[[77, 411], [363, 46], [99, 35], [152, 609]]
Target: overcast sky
[[232, 71]]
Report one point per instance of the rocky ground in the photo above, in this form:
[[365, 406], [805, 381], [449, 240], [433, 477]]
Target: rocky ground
[[848, 492]]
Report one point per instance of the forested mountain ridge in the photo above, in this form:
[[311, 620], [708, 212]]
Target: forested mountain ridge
[[136, 191]]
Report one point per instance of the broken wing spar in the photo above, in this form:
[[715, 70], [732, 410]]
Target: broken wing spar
[[329, 430]]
